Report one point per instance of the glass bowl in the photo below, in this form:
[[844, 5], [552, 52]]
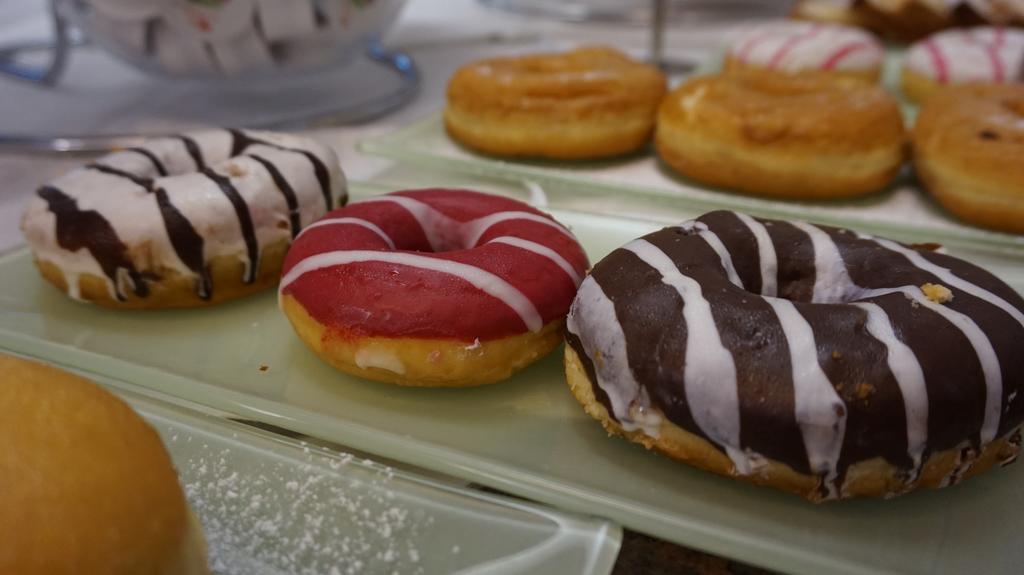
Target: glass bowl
[[232, 39]]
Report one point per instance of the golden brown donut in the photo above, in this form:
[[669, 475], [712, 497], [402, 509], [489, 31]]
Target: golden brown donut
[[782, 136], [968, 147], [592, 102], [87, 484]]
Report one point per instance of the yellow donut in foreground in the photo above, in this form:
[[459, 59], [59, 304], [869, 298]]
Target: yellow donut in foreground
[[588, 103], [969, 153], [782, 136], [87, 486]]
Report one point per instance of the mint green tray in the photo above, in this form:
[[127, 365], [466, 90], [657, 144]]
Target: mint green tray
[[273, 505], [526, 436]]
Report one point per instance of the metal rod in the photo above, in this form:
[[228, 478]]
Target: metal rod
[[659, 9]]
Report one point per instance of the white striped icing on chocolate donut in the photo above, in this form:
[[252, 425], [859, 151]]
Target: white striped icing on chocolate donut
[[793, 46], [450, 264], [176, 203], [808, 345], [984, 54]]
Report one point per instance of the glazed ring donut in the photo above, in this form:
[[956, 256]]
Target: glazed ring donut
[[969, 153], [432, 287], [182, 221], [783, 136], [589, 103], [792, 47], [982, 55], [807, 358]]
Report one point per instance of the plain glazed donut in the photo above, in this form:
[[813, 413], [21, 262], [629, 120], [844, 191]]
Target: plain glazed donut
[[811, 359], [969, 153], [791, 47], [964, 56], [588, 103], [182, 221], [784, 136], [432, 287], [88, 486]]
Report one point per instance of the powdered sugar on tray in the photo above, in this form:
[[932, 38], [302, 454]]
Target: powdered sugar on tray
[[328, 514]]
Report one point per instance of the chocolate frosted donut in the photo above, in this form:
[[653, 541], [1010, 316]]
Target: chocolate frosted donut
[[181, 221], [809, 358]]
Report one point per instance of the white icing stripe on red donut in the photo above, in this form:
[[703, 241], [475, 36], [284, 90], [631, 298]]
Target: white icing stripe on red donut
[[820, 412], [483, 280], [479, 227], [710, 378], [906, 369], [984, 54], [431, 220], [798, 46], [351, 222], [541, 250], [767, 259]]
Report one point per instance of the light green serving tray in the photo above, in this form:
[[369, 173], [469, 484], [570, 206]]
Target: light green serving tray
[[526, 436], [273, 505]]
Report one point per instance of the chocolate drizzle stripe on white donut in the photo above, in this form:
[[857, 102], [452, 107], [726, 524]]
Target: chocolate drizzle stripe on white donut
[[157, 164], [541, 250], [252, 248], [615, 340], [294, 217], [152, 188], [483, 280]]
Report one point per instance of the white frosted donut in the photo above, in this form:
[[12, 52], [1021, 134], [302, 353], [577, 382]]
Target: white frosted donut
[[793, 47], [181, 221], [963, 56]]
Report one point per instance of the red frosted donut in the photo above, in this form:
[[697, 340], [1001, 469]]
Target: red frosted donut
[[432, 287]]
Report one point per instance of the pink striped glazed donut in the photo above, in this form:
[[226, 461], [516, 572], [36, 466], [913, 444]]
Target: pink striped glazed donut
[[794, 47], [432, 287], [982, 55]]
